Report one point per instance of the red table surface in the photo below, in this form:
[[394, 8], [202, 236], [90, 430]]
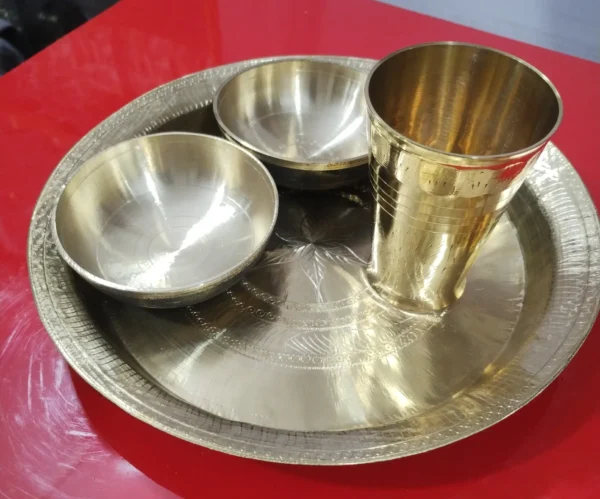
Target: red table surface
[[60, 438]]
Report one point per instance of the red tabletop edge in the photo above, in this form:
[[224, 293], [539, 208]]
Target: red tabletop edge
[[60, 438]]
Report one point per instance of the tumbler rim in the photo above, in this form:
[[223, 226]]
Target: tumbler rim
[[450, 156]]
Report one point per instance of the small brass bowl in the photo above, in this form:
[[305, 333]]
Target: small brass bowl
[[166, 220]]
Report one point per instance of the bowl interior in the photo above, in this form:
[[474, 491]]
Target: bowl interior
[[166, 212], [300, 111]]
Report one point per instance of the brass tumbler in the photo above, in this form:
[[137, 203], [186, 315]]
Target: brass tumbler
[[454, 131]]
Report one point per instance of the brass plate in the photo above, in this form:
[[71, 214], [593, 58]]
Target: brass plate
[[300, 363]]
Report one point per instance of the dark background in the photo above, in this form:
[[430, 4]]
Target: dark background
[[28, 26]]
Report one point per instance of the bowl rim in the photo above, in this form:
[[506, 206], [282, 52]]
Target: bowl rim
[[279, 160], [177, 291], [456, 157]]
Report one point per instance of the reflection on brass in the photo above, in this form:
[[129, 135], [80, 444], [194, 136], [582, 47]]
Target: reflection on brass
[[454, 131], [302, 342]]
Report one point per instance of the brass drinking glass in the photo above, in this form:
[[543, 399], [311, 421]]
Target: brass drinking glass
[[454, 130]]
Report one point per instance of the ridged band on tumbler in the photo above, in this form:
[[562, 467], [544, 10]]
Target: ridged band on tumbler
[[454, 130]]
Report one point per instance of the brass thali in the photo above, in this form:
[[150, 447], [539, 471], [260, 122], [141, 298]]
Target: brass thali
[[301, 362]]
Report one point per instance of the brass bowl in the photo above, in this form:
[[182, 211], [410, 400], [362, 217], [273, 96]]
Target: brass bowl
[[166, 220], [306, 119]]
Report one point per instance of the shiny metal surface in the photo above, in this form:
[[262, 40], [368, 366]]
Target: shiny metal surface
[[304, 325], [166, 220], [306, 119], [455, 129], [316, 350]]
